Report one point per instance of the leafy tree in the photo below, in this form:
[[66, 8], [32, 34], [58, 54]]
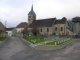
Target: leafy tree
[[35, 31], [64, 18], [25, 31]]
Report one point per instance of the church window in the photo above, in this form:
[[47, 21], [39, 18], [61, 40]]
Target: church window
[[41, 29], [55, 28], [29, 16], [61, 28], [47, 29]]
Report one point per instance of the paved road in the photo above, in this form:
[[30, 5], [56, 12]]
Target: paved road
[[16, 49]]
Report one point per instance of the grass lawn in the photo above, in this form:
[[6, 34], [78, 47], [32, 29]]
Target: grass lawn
[[57, 42], [1, 39], [35, 40]]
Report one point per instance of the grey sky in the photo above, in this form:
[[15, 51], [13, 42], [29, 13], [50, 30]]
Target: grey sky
[[15, 11]]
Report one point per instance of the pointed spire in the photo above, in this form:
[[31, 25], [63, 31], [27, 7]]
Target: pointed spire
[[32, 8]]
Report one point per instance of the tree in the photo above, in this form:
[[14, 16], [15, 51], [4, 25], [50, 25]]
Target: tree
[[64, 18], [35, 31], [25, 31], [70, 24]]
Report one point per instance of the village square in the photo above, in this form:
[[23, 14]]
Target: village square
[[41, 39]]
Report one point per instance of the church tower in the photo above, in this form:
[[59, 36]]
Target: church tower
[[31, 16]]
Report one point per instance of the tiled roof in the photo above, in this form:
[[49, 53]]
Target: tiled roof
[[42, 23], [22, 25], [60, 21], [9, 29]]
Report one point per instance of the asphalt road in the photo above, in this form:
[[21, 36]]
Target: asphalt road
[[16, 49]]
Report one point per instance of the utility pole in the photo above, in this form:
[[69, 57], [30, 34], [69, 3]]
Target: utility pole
[[5, 27]]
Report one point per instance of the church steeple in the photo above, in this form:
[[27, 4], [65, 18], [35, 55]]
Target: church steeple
[[32, 11], [32, 7], [31, 16]]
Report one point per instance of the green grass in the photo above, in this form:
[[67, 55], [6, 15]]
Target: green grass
[[60, 43], [35, 40], [2, 39]]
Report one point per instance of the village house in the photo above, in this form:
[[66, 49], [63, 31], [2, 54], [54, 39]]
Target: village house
[[76, 27], [48, 26], [20, 27], [10, 31], [2, 30]]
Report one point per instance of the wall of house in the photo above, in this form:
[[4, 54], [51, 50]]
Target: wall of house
[[2, 27], [9, 33], [44, 31], [70, 33], [59, 29], [76, 28], [19, 30]]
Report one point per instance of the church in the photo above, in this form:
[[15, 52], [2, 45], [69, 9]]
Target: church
[[49, 26]]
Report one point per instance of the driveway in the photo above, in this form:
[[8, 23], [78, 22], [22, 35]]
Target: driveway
[[16, 49]]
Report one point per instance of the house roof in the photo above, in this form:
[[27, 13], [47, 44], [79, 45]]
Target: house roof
[[60, 21], [76, 19], [22, 25], [9, 29], [42, 23]]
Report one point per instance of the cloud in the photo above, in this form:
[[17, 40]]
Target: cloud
[[15, 11]]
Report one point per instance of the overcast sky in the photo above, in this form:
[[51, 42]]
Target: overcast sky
[[16, 11]]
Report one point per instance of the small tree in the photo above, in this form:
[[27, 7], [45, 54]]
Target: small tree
[[64, 18], [35, 31], [25, 31]]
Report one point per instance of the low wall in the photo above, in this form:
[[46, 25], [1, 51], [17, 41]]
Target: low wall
[[52, 47]]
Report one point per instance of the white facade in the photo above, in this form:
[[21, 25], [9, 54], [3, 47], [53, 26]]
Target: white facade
[[9, 33], [19, 30]]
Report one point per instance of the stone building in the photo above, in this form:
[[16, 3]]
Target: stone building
[[2, 30], [76, 27], [48, 26]]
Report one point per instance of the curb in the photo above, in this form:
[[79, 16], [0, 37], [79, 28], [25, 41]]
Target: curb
[[51, 47]]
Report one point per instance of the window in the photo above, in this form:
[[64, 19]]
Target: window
[[47, 29], [41, 29], [29, 16], [55, 28], [61, 28]]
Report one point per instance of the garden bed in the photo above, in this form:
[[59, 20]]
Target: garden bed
[[58, 42], [34, 40]]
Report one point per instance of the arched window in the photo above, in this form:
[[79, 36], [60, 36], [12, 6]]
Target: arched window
[[41, 29], [47, 29]]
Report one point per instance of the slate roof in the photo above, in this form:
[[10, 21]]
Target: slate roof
[[22, 25], [75, 19], [60, 21], [9, 29], [42, 23], [31, 12]]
